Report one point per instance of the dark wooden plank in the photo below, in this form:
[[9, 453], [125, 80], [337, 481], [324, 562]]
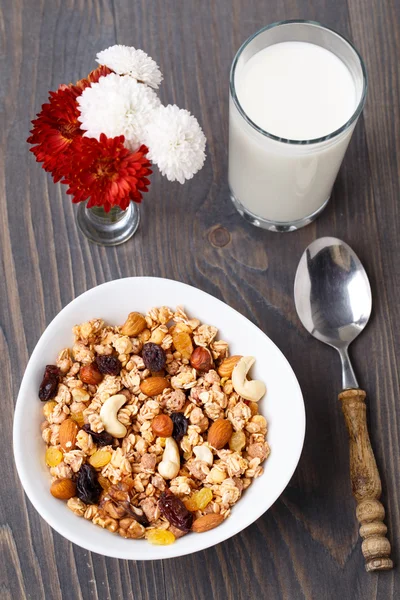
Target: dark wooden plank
[[307, 545]]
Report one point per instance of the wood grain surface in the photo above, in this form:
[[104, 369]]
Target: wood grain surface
[[307, 545]]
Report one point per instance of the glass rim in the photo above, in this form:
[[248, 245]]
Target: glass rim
[[276, 138]]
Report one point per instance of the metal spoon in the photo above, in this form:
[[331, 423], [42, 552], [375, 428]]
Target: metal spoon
[[333, 300]]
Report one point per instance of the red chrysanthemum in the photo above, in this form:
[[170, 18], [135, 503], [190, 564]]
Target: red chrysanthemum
[[93, 77], [106, 173], [55, 128]]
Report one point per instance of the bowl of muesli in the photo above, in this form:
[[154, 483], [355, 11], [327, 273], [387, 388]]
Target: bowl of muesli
[[153, 421]]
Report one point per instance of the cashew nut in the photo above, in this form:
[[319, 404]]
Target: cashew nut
[[204, 453], [108, 415], [249, 390], [171, 462]]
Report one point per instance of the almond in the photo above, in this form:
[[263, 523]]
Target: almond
[[134, 324], [207, 522], [152, 386], [68, 431], [63, 489], [226, 367], [201, 359], [220, 433]]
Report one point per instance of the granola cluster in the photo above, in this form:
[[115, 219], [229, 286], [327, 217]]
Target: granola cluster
[[146, 435]]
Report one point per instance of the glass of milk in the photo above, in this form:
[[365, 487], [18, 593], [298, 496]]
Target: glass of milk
[[296, 91]]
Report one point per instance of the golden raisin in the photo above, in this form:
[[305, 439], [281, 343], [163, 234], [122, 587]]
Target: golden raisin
[[237, 441], [53, 456], [160, 537], [78, 418], [183, 343], [99, 459], [48, 408], [104, 482], [199, 500]]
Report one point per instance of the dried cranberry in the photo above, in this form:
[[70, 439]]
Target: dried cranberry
[[175, 511], [180, 425], [102, 439], [154, 357], [88, 488], [108, 365], [49, 385]]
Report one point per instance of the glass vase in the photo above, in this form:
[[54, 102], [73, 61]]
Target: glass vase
[[108, 228]]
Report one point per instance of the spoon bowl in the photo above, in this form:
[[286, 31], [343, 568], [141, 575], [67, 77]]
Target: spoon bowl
[[333, 297]]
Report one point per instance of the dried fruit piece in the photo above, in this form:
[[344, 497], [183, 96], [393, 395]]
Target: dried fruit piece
[[99, 459], [173, 509], [152, 386], [183, 343], [63, 489], [90, 374], [154, 357], [104, 482], [207, 522], [78, 418], [199, 500], [68, 432], [48, 408], [226, 367], [102, 439], [53, 456], [134, 324], [201, 359], [180, 426], [108, 365], [49, 385], [162, 425], [88, 488], [219, 433], [160, 537], [237, 441]]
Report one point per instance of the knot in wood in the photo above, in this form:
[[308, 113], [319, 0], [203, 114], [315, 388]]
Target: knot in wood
[[219, 236]]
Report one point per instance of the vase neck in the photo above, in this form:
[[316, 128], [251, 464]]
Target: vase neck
[[97, 213]]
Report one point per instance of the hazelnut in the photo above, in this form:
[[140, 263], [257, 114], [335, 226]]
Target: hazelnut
[[90, 374], [162, 426], [201, 359]]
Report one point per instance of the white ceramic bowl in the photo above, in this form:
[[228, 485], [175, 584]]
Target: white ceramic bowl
[[282, 406]]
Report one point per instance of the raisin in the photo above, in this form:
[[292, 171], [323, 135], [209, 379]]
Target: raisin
[[173, 509], [108, 365], [160, 537], [199, 500], [88, 488], [154, 357], [180, 426], [49, 385], [100, 459], [102, 439]]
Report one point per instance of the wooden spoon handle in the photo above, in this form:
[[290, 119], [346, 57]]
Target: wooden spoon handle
[[366, 483]]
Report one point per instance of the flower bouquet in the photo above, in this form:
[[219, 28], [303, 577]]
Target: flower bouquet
[[100, 137]]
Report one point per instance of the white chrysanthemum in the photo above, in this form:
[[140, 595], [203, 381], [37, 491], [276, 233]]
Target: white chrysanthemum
[[176, 143], [126, 60], [117, 106]]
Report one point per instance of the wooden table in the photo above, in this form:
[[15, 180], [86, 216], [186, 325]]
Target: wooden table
[[307, 544]]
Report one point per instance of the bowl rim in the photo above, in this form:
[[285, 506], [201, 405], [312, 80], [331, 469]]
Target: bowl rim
[[41, 507]]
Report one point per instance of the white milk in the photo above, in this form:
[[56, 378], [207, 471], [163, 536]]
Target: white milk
[[296, 91]]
